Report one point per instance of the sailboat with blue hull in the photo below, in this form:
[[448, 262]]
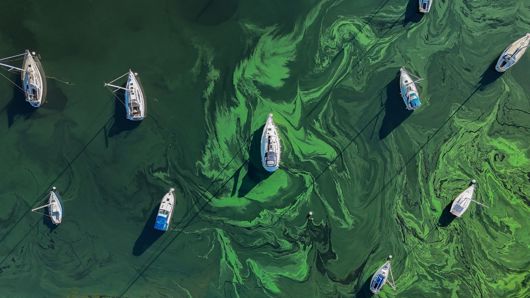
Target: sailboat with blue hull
[[381, 277], [165, 211], [408, 90]]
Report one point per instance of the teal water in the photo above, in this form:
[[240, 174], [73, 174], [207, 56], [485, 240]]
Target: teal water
[[378, 179]]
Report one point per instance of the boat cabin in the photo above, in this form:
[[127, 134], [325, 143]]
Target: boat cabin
[[270, 158], [136, 110], [161, 220], [377, 283], [30, 89], [507, 60], [270, 155], [458, 209]]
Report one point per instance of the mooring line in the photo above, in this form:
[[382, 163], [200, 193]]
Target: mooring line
[[61, 81]]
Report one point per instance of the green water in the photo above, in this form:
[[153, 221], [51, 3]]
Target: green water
[[379, 180]]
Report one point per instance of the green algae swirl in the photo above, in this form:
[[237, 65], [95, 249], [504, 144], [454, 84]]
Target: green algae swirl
[[379, 180]]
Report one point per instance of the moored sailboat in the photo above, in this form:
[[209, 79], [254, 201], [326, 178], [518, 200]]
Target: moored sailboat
[[55, 207], [135, 105], [33, 78], [381, 277], [408, 90], [463, 200], [513, 53], [270, 146], [165, 211]]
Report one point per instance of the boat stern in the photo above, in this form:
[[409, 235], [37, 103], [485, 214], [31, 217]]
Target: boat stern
[[270, 169], [415, 103], [377, 283], [132, 117], [457, 209], [34, 103], [425, 6], [412, 100], [502, 65], [161, 223], [456, 213]]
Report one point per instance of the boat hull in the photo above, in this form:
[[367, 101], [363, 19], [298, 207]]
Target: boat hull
[[135, 107], [33, 80], [408, 90], [55, 208], [270, 146], [425, 6], [462, 201], [380, 278], [165, 211], [512, 54]]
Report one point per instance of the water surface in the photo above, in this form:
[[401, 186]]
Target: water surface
[[378, 179]]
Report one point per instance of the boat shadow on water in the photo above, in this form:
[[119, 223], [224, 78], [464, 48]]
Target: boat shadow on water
[[490, 75], [364, 291], [148, 236], [59, 99], [255, 171], [446, 218], [47, 221], [412, 13], [121, 123], [18, 107], [395, 111]]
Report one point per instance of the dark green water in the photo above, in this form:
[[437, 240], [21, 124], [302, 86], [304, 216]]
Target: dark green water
[[378, 179]]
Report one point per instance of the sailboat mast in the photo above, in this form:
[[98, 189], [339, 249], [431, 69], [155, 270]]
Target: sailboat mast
[[11, 67], [44, 206], [115, 86], [483, 205]]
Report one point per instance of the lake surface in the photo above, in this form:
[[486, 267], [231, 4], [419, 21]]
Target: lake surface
[[378, 179]]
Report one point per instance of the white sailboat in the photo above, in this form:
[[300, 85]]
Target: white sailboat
[[381, 277], [32, 77], [165, 211], [55, 207], [409, 92], [270, 146], [425, 5], [513, 53], [134, 96], [464, 199]]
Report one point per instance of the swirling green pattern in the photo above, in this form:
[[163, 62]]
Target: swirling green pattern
[[379, 180]]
